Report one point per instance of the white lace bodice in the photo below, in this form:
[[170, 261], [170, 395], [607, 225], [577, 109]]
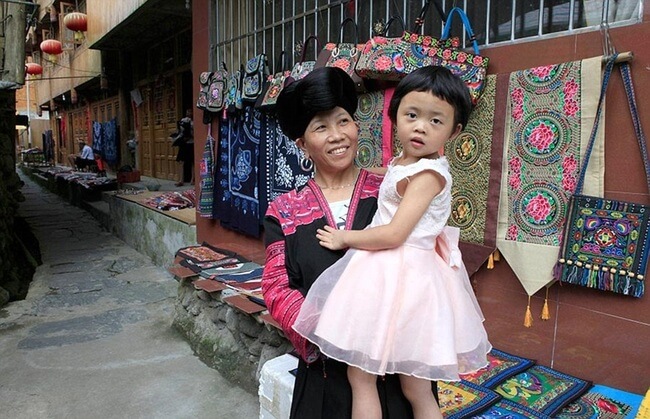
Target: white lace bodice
[[436, 216]]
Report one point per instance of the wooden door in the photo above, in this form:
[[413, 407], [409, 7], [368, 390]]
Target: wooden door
[[144, 119], [165, 115]]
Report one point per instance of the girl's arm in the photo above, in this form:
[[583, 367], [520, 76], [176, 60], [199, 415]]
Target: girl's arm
[[417, 192]]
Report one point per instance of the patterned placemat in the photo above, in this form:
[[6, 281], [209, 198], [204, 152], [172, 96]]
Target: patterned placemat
[[462, 399], [603, 402], [505, 409], [543, 389], [501, 367]]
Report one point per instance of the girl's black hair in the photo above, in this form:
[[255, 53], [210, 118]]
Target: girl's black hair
[[321, 90], [440, 82]]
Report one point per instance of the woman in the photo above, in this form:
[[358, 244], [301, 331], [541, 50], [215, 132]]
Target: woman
[[183, 138], [317, 112]]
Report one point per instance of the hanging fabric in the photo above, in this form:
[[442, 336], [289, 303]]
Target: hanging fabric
[[550, 112], [206, 173]]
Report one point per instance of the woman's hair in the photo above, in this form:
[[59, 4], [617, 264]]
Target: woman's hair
[[321, 90], [440, 82]]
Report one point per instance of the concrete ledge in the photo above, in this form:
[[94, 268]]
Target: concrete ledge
[[234, 343], [149, 232]]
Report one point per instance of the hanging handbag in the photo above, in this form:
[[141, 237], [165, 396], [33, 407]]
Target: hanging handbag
[[302, 68], [217, 90], [273, 86], [204, 85], [382, 57], [605, 243], [343, 55], [255, 72], [471, 68], [233, 100]]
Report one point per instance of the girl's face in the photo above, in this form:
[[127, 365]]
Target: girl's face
[[424, 123], [331, 140]]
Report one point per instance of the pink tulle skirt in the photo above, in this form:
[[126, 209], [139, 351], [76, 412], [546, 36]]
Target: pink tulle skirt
[[374, 311]]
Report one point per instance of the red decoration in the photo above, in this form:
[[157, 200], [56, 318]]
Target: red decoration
[[52, 47], [76, 21], [33, 69]]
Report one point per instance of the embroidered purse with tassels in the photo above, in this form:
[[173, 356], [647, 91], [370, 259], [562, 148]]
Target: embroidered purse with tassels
[[605, 244]]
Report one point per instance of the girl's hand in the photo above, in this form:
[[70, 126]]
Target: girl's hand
[[331, 238]]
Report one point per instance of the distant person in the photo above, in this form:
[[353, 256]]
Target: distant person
[[183, 138], [85, 158]]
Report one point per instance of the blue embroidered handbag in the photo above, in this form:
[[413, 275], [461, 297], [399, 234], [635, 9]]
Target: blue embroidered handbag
[[605, 244]]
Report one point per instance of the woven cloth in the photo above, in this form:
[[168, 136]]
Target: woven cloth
[[280, 165], [370, 118], [550, 113], [505, 409], [206, 173], [111, 137], [501, 367], [602, 402], [462, 399], [237, 173], [475, 161], [543, 389]]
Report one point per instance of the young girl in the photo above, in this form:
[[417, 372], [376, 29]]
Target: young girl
[[403, 304]]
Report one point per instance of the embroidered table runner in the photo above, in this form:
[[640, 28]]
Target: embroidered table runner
[[475, 162], [550, 114]]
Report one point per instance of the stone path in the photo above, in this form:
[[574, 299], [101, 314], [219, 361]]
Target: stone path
[[94, 336]]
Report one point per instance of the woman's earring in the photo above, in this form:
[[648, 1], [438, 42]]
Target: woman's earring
[[306, 164]]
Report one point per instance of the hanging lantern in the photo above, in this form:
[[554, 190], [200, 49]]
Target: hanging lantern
[[78, 23], [33, 69], [52, 48], [73, 96]]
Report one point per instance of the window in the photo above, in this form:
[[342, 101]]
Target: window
[[244, 28]]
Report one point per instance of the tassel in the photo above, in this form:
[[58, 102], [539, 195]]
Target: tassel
[[490, 263], [545, 313], [497, 255], [528, 319]]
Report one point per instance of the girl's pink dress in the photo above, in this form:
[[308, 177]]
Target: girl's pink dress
[[408, 310]]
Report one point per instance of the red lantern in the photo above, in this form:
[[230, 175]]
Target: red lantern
[[76, 21], [33, 69], [52, 47]]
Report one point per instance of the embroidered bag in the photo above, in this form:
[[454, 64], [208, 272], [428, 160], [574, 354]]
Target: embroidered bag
[[605, 243], [255, 73], [204, 83], [391, 59], [343, 55], [302, 68], [471, 68], [217, 90], [233, 94], [273, 86]]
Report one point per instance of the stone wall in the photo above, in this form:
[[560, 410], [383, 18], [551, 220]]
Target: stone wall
[[235, 343], [15, 267]]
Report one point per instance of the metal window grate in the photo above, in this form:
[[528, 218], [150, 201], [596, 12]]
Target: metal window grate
[[244, 28]]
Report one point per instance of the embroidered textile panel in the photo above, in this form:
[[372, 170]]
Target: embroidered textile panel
[[369, 116], [237, 182], [206, 172], [281, 156], [543, 154], [469, 158]]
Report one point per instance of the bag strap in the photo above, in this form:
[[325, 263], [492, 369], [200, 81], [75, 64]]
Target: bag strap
[[594, 130], [345, 22], [419, 21], [468, 27], [279, 64], [631, 101], [304, 46], [392, 19]]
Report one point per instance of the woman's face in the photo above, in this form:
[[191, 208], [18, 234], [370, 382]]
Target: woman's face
[[331, 140]]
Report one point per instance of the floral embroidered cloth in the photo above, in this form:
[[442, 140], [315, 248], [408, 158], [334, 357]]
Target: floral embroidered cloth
[[550, 114]]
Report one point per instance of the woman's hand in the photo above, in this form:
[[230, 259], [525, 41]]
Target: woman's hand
[[331, 238]]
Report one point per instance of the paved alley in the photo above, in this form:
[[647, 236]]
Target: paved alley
[[94, 339]]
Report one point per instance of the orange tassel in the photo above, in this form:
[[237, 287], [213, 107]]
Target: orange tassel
[[545, 312], [497, 255], [528, 319], [490, 263]]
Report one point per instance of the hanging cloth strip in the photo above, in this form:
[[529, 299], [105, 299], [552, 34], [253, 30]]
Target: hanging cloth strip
[[206, 173], [475, 158], [606, 241], [550, 113]]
